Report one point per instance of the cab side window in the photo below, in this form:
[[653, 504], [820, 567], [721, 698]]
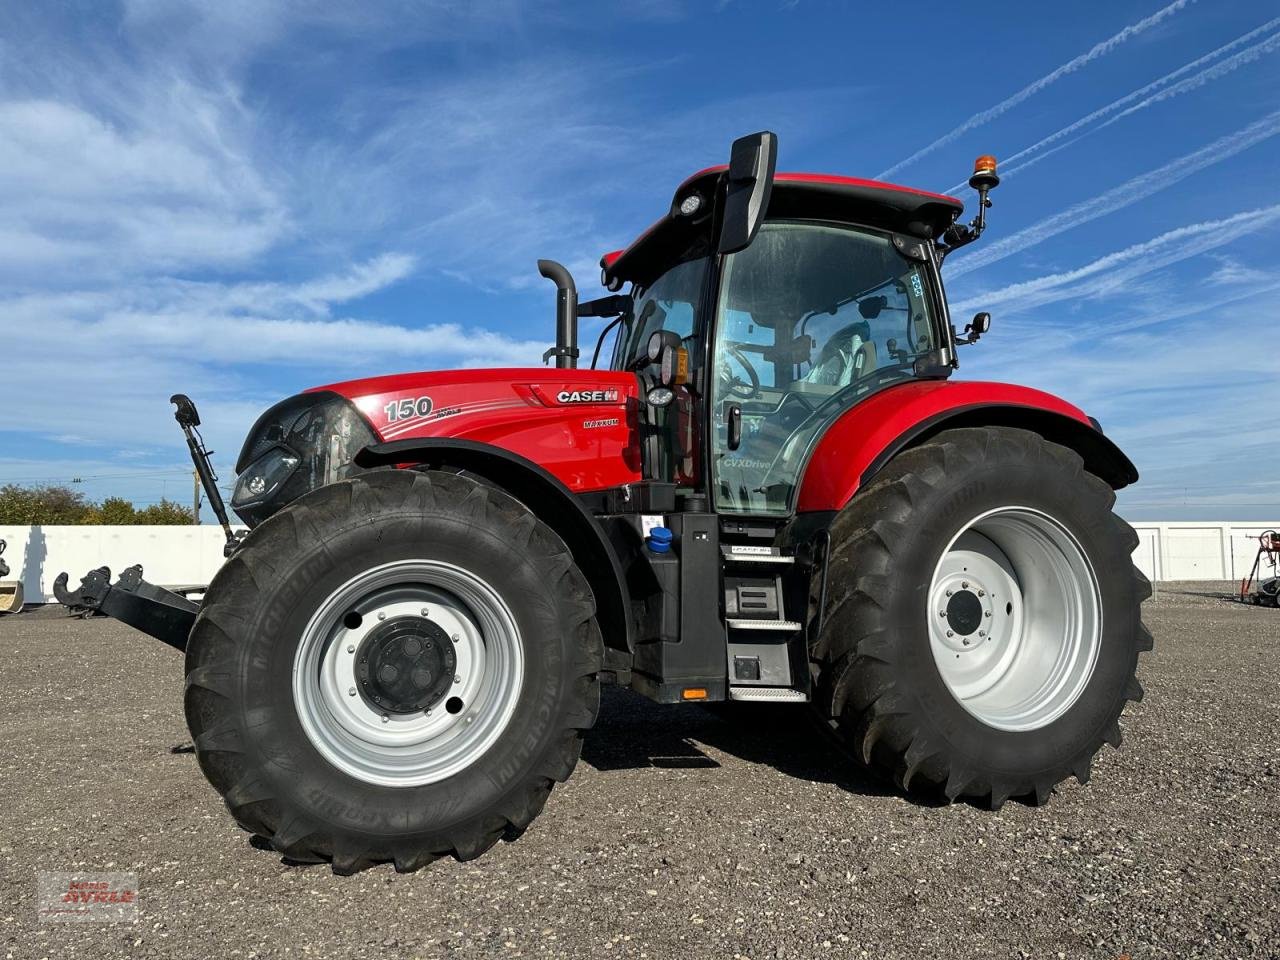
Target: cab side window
[[811, 317]]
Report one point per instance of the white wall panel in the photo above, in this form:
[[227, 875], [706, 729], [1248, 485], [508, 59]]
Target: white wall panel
[[185, 555]]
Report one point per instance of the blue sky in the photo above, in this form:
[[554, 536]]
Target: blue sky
[[240, 200]]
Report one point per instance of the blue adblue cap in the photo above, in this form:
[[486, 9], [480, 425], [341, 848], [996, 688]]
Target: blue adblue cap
[[659, 540]]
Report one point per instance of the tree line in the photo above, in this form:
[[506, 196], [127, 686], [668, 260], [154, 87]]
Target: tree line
[[51, 505]]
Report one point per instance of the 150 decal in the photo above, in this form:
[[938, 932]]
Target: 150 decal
[[406, 408]]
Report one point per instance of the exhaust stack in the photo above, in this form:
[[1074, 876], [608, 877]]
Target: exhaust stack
[[566, 349]]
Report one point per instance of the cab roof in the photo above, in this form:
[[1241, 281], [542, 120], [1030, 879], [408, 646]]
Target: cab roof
[[808, 196]]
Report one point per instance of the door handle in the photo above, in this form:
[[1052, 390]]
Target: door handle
[[735, 426]]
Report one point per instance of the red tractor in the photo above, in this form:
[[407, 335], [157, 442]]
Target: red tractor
[[767, 488]]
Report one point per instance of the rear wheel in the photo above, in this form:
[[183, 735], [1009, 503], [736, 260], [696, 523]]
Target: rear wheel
[[982, 627], [394, 668]]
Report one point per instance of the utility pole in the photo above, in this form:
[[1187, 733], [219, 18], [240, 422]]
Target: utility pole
[[195, 497]]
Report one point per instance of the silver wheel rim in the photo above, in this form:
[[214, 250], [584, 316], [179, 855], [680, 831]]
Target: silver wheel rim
[[408, 749], [1015, 618]]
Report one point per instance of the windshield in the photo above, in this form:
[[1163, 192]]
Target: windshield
[[811, 319], [669, 303]]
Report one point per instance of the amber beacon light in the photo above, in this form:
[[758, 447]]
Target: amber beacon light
[[984, 173]]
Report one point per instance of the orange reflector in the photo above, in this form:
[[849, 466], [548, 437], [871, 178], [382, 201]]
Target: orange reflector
[[694, 693], [675, 367], [985, 164]]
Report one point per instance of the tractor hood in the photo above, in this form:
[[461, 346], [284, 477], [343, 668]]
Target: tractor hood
[[577, 424]]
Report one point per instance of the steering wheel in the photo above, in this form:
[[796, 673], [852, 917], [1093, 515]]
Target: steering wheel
[[732, 383]]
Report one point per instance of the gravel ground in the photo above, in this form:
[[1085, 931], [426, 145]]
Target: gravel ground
[[680, 835]]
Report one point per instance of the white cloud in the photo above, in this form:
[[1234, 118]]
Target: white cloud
[[88, 195], [1233, 273]]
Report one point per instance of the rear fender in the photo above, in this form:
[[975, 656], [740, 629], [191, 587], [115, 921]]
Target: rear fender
[[861, 441], [549, 499]]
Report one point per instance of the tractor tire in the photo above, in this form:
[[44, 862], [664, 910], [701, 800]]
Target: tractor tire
[[394, 668], [982, 626]]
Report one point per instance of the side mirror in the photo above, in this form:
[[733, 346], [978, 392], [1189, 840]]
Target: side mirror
[[752, 161], [667, 350], [658, 341]]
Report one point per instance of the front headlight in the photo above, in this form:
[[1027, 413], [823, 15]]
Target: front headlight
[[264, 477], [300, 444]]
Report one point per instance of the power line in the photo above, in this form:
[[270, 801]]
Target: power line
[[78, 479]]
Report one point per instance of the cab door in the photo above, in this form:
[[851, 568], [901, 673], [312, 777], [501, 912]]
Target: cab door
[[809, 319]]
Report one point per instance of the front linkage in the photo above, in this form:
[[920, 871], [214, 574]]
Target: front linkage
[[155, 611]]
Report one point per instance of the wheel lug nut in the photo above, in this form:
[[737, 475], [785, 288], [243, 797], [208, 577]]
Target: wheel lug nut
[[981, 593], [965, 584], [942, 613], [351, 692], [986, 613], [425, 611], [382, 615], [965, 641], [457, 678], [385, 718], [948, 593], [982, 633], [351, 648], [456, 638], [950, 633]]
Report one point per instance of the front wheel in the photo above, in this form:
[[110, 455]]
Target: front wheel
[[393, 668], [982, 628]]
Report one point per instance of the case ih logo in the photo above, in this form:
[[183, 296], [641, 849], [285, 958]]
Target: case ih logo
[[587, 396]]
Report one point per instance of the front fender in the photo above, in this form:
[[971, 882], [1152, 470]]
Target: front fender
[[866, 437]]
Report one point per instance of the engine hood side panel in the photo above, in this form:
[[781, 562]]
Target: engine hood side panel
[[580, 425]]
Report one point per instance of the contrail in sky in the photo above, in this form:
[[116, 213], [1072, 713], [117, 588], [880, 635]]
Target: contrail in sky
[[1129, 192], [1114, 270], [1010, 165], [1071, 66]]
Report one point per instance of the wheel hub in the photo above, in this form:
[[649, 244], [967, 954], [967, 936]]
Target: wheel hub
[[964, 612], [970, 597], [405, 665]]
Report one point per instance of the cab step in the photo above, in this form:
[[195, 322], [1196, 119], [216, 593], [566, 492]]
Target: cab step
[[768, 694], [746, 623], [744, 553]]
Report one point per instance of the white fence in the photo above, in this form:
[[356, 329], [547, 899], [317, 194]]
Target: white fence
[[171, 556], [1193, 550]]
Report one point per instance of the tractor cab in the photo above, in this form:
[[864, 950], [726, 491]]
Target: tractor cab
[[835, 296]]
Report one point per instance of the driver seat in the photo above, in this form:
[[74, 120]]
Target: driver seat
[[864, 360], [849, 355]]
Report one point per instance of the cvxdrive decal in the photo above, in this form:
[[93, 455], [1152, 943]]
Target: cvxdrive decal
[[587, 396]]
